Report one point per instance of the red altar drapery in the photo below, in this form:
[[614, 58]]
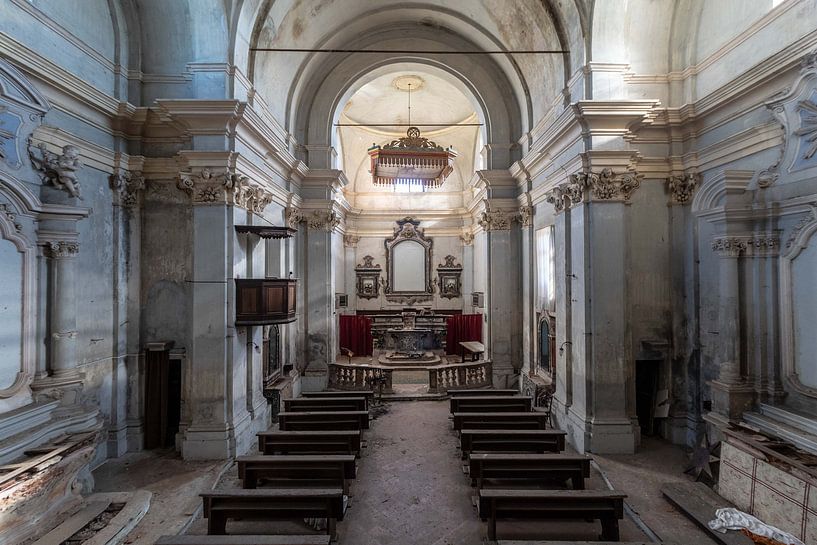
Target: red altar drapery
[[356, 334], [462, 328]]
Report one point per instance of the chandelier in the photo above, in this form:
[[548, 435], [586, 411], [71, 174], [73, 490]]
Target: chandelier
[[411, 160]]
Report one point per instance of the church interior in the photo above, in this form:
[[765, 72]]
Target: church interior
[[408, 272]]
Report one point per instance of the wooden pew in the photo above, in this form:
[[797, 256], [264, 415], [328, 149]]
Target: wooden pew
[[316, 471], [272, 504], [326, 404], [486, 404], [511, 441], [483, 392], [533, 420], [310, 420], [310, 442], [604, 505], [315, 539], [529, 468], [368, 394]]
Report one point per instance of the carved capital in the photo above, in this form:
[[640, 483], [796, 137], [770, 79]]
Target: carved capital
[[526, 216], [294, 217], [557, 198], [682, 187], [59, 171], [495, 220], [127, 186], [62, 249], [756, 245], [324, 220], [467, 238], [607, 185], [250, 196], [206, 186], [350, 241]]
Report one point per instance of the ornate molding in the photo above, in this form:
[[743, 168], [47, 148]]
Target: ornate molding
[[558, 198], [11, 216], [757, 245], [61, 248], [350, 241], [324, 220], [207, 187], [127, 187], [59, 171], [467, 238], [805, 220], [250, 196], [682, 187]]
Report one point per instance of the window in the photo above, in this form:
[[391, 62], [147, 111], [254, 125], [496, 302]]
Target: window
[[545, 269]]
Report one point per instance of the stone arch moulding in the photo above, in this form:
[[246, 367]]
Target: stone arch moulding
[[798, 241], [12, 231]]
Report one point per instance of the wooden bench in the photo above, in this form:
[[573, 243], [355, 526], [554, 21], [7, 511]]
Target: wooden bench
[[272, 504], [532, 420], [483, 392], [310, 442], [328, 404], [511, 441], [514, 542], [529, 468], [244, 540], [606, 506], [287, 471], [488, 403], [368, 394], [310, 420]]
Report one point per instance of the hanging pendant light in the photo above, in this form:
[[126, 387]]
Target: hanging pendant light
[[411, 160]]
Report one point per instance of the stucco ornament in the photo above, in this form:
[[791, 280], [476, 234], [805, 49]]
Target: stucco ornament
[[526, 216], [127, 186], [752, 245], [557, 197], [250, 196], [294, 217], [805, 220], [350, 241], [324, 220], [467, 238], [62, 248], [58, 170], [682, 187], [206, 186], [11, 217], [808, 127]]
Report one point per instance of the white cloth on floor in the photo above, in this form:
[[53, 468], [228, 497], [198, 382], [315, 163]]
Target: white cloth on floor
[[729, 518]]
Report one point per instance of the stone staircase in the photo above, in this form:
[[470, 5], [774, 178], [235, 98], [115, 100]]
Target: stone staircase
[[786, 423]]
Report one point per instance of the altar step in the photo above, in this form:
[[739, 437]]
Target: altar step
[[798, 428]]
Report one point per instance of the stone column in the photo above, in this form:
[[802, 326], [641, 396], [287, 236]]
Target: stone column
[[528, 288], [731, 394], [319, 278], [503, 302], [63, 330]]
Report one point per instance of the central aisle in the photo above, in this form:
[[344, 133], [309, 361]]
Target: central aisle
[[410, 488]]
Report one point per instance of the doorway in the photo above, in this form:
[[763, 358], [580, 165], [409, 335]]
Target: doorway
[[646, 388], [163, 398]]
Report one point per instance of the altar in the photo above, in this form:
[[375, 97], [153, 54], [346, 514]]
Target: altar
[[409, 340], [409, 344]]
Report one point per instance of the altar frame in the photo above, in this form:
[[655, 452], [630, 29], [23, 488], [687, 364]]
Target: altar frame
[[408, 230]]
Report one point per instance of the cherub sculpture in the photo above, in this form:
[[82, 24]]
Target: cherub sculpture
[[59, 170]]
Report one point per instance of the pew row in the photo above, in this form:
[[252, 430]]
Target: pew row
[[244, 540], [478, 404], [272, 504], [299, 471], [310, 420], [528, 469], [326, 405], [511, 441], [605, 506], [483, 392], [310, 442], [368, 394], [532, 420]]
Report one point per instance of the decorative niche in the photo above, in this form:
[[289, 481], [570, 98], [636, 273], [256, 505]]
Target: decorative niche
[[408, 263], [368, 279], [448, 278]]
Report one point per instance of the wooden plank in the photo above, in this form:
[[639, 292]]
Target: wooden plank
[[311, 420], [244, 540], [699, 503], [77, 522], [501, 420], [491, 404]]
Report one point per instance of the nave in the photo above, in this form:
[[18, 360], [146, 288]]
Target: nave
[[411, 485]]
